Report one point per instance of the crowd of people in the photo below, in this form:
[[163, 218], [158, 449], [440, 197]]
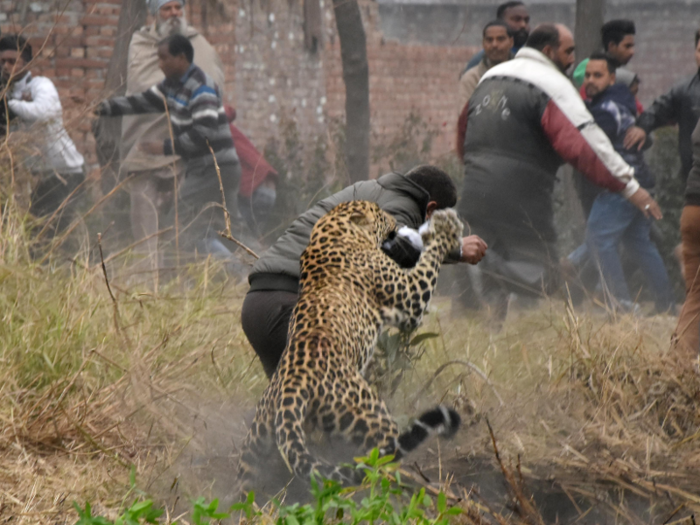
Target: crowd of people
[[523, 114]]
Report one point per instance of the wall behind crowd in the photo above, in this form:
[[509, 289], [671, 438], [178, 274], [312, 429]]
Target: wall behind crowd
[[416, 49], [665, 30]]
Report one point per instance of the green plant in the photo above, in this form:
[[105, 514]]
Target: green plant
[[397, 352], [381, 498]]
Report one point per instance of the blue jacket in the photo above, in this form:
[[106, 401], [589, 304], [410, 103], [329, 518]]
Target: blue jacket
[[615, 111]]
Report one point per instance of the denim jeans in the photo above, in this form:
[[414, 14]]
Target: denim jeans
[[614, 220]]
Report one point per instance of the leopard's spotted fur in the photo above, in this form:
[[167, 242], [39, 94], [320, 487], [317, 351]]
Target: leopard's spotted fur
[[349, 290]]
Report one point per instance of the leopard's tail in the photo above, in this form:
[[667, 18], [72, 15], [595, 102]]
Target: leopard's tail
[[439, 421]]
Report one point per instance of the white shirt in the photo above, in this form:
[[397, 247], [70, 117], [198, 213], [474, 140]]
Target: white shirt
[[53, 149]]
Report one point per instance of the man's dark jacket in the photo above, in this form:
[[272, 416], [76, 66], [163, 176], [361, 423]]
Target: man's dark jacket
[[278, 268], [614, 110], [681, 105], [692, 188]]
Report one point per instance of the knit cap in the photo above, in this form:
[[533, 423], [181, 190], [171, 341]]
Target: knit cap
[[155, 5]]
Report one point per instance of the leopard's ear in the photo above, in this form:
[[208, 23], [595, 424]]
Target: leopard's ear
[[359, 218]]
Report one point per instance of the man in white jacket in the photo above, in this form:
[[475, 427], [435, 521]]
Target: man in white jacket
[[36, 109]]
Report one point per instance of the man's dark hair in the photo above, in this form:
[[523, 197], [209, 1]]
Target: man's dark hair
[[544, 35], [501, 11], [610, 61], [697, 37], [496, 23], [17, 43], [615, 31], [179, 45], [437, 183]]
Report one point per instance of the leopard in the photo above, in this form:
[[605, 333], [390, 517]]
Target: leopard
[[350, 290]]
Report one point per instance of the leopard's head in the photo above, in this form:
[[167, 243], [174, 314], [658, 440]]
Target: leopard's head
[[359, 220]]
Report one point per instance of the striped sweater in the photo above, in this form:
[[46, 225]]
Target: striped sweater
[[196, 113]]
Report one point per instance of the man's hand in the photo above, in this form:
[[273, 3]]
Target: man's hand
[[473, 249], [152, 148], [648, 206], [635, 136]]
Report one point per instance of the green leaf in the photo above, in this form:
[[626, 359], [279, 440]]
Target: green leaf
[[441, 502]]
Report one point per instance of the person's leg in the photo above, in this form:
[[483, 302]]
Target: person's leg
[[200, 205], [52, 194], [265, 319], [686, 337], [143, 192], [637, 242], [607, 224]]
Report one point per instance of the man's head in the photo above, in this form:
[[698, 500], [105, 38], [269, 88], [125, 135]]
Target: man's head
[[600, 74], [497, 42], [175, 55], [516, 16], [170, 16], [618, 40], [15, 56], [697, 47], [556, 42], [438, 184]]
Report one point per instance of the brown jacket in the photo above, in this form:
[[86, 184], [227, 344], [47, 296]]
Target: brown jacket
[[469, 81], [142, 73]]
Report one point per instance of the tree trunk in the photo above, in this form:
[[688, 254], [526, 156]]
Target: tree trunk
[[107, 130], [353, 53], [589, 20]]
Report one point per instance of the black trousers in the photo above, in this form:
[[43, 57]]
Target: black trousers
[[50, 192], [265, 318]]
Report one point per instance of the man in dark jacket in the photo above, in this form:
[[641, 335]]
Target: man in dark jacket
[[613, 219], [523, 121], [681, 105], [274, 280]]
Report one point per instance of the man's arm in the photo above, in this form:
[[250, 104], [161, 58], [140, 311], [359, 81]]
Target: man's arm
[[589, 150], [44, 106], [663, 112], [150, 101], [204, 108]]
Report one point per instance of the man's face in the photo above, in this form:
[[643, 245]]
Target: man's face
[[562, 56], [597, 78], [697, 53], [12, 63], [171, 66], [497, 44], [624, 51], [518, 20], [170, 19]]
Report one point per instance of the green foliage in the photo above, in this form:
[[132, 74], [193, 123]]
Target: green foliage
[[380, 499], [396, 353]]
